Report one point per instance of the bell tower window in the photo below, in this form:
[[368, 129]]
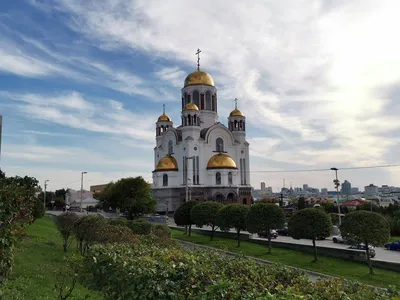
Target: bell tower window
[[218, 178], [208, 100], [196, 98], [219, 145], [165, 180]]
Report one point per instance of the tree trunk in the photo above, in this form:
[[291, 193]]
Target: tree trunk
[[371, 270], [315, 250], [190, 230], [212, 232], [186, 229], [238, 238], [269, 242]]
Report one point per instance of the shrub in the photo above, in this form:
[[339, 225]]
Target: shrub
[[182, 215], [265, 217], [115, 234], [140, 227], [38, 209], [366, 227], [161, 231], [65, 224], [310, 223], [205, 213], [118, 221], [233, 216], [87, 230]]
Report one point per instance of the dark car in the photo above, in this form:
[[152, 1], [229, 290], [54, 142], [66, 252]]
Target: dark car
[[263, 234], [362, 247], [393, 245], [283, 231]]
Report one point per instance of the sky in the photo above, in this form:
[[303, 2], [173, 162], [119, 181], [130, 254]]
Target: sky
[[82, 84]]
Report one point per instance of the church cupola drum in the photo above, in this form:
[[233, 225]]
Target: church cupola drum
[[201, 159]]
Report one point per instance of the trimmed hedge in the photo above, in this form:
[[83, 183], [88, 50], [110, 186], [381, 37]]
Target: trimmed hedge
[[148, 271], [161, 231], [140, 227]]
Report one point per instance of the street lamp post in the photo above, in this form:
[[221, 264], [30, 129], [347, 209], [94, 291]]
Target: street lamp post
[[337, 184], [82, 188], [44, 194], [187, 179]]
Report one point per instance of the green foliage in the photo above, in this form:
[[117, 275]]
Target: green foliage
[[366, 227], [233, 216], [140, 227], [65, 224], [182, 214], [118, 221], [88, 230], [130, 194], [115, 234], [301, 203], [265, 217], [205, 213], [161, 231], [310, 223], [148, 271], [39, 209]]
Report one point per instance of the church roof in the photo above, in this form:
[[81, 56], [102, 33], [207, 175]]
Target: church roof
[[167, 163], [199, 78], [221, 161]]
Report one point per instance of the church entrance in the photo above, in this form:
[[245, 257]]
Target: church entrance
[[231, 198], [219, 198]]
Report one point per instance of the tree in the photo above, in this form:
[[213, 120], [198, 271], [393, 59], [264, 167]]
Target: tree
[[130, 194], [268, 200], [233, 216], [65, 224], [366, 227], [265, 217], [182, 215], [301, 204], [38, 209], [310, 223], [205, 214]]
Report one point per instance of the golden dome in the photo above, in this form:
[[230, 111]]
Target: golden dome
[[221, 161], [164, 118], [236, 113], [199, 77], [167, 163], [190, 106]]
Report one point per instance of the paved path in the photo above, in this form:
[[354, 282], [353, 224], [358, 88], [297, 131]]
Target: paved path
[[382, 254]]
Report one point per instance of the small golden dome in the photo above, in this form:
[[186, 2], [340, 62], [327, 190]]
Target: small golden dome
[[199, 78], [221, 161], [164, 118], [190, 106], [236, 113], [167, 163]]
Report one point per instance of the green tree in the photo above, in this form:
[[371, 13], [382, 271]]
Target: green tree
[[65, 224], [38, 210], [301, 203], [366, 227], [205, 214], [182, 215], [233, 216], [310, 223], [265, 217], [130, 194]]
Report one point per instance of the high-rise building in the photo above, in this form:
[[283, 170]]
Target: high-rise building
[[305, 187], [346, 188], [262, 187], [370, 190], [324, 191], [354, 190]]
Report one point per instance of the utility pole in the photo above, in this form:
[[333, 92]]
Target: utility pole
[[337, 184], [82, 188], [44, 194], [187, 178]]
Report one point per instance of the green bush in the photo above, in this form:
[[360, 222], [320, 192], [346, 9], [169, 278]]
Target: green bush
[[65, 224], [140, 227], [38, 209], [233, 216], [147, 271], [205, 214], [115, 234], [118, 221], [161, 231], [182, 214], [88, 229]]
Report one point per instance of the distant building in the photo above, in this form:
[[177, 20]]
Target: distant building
[[262, 187], [346, 188], [371, 190], [268, 190], [98, 188], [305, 187], [354, 190], [324, 191], [74, 196]]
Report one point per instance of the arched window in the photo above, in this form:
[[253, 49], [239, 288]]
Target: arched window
[[196, 98], [219, 144], [230, 178], [219, 198], [170, 147], [165, 180], [218, 178], [230, 197], [244, 201], [208, 100]]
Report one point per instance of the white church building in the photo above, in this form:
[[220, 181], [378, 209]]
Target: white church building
[[201, 159]]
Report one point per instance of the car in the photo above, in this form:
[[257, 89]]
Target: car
[[393, 245], [362, 247], [263, 234], [283, 231], [338, 239]]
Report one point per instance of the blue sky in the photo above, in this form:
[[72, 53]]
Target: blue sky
[[83, 82]]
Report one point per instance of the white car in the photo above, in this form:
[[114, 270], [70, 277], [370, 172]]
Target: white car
[[338, 239]]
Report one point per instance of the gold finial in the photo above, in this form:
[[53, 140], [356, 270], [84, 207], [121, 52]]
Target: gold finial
[[163, 106], [236, 101], [198, 59]]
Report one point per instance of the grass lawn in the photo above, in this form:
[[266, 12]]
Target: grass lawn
[[394, 238], [38, 259], [326, 265]]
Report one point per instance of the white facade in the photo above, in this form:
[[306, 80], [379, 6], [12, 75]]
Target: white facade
[[370, 190], [208, 157]]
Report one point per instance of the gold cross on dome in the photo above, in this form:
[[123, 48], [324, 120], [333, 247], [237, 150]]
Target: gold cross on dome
[[163, 108], [236, 101], [198, 58]]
